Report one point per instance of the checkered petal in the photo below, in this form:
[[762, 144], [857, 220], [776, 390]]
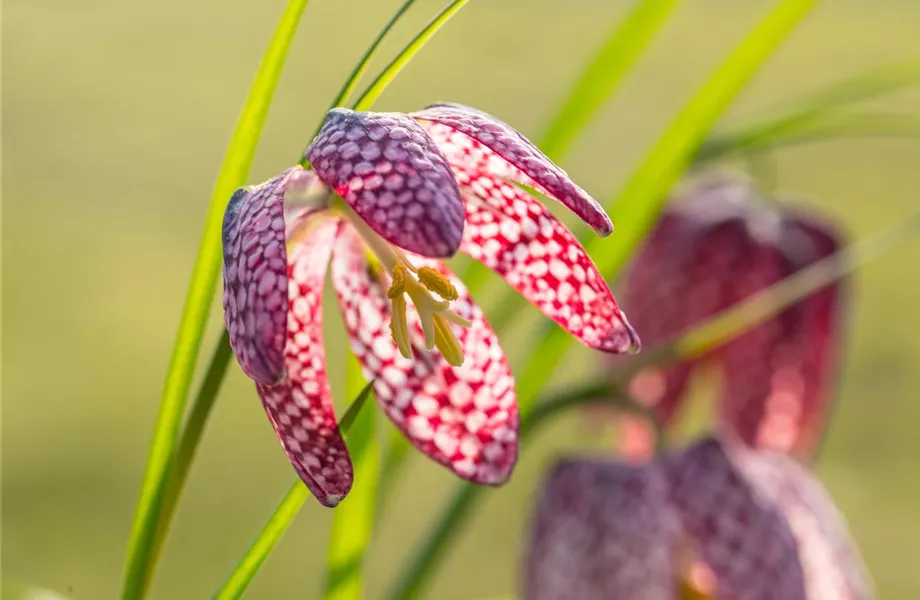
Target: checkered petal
[[474, 139], [465, 418], [764, 525], [779, 375], [255, 278], [602, 530], [392, 174], [299, 405], [518, 238]]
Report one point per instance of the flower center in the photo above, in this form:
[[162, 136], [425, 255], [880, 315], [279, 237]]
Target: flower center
[[418, 285]]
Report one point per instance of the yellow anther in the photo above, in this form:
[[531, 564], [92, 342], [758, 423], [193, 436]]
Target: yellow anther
[[437, 283], [446, 341], [399, 326], [398, 287]]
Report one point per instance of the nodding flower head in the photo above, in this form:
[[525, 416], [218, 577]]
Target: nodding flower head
[[713, 520], [388, 196], [718, 243]]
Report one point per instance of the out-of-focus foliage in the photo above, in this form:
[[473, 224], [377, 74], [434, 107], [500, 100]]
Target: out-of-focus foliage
[[115, 119]]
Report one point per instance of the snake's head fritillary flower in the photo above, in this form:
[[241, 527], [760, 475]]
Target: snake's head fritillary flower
[[718, 243], [389, 195], [757, 521]]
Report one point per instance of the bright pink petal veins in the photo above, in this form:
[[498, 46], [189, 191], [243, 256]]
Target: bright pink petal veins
[[517, 237], [464, 418], [602, 530], [473, 139], [392, 174], [255, 278], [300, 405]]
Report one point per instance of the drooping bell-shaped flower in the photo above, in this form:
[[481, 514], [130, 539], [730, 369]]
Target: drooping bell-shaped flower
[[763, 526], [717, 244], [602, 530], [389, 195]]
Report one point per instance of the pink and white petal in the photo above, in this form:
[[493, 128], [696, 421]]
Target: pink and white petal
[[518, 238], [300, 405], [389, 170], [764, 525], [465, 418], [255, 278], [479, 142], [602, 530]]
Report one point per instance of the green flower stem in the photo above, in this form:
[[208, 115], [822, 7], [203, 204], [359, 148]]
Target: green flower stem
[[603, 75], [269, 537], [233, 173], [386, 76]]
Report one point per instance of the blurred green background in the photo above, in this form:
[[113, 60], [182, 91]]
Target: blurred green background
[[116, 115]]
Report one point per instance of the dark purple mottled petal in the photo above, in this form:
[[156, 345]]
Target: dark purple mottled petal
[[255, 278], [764, 525], [389, 170], [602, 530], [473, 136]]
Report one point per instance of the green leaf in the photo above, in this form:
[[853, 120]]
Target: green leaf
[[635, 212], [376, 88], [604, 74], [242, 575], [233, 173], [353, 519]]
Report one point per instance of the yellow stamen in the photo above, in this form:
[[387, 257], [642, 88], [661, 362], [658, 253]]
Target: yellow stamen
[[398, 287], [437, 283], [399, 326], [447, 342]]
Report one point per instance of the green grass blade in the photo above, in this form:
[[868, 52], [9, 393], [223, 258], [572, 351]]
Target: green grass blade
[[244, 572], [756, 138], [353, 519], [638, 205], [269, 537], [358, 72], [635, 212], [376, 88], [604, 74], [191, 435], [233, 174]]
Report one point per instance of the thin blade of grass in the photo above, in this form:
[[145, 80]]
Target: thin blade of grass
[[746, 141], [358, 72], [815, 104], [604, 74], [353, 519], [244, 572], [233, 173], [386, 76], [635, 211]]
